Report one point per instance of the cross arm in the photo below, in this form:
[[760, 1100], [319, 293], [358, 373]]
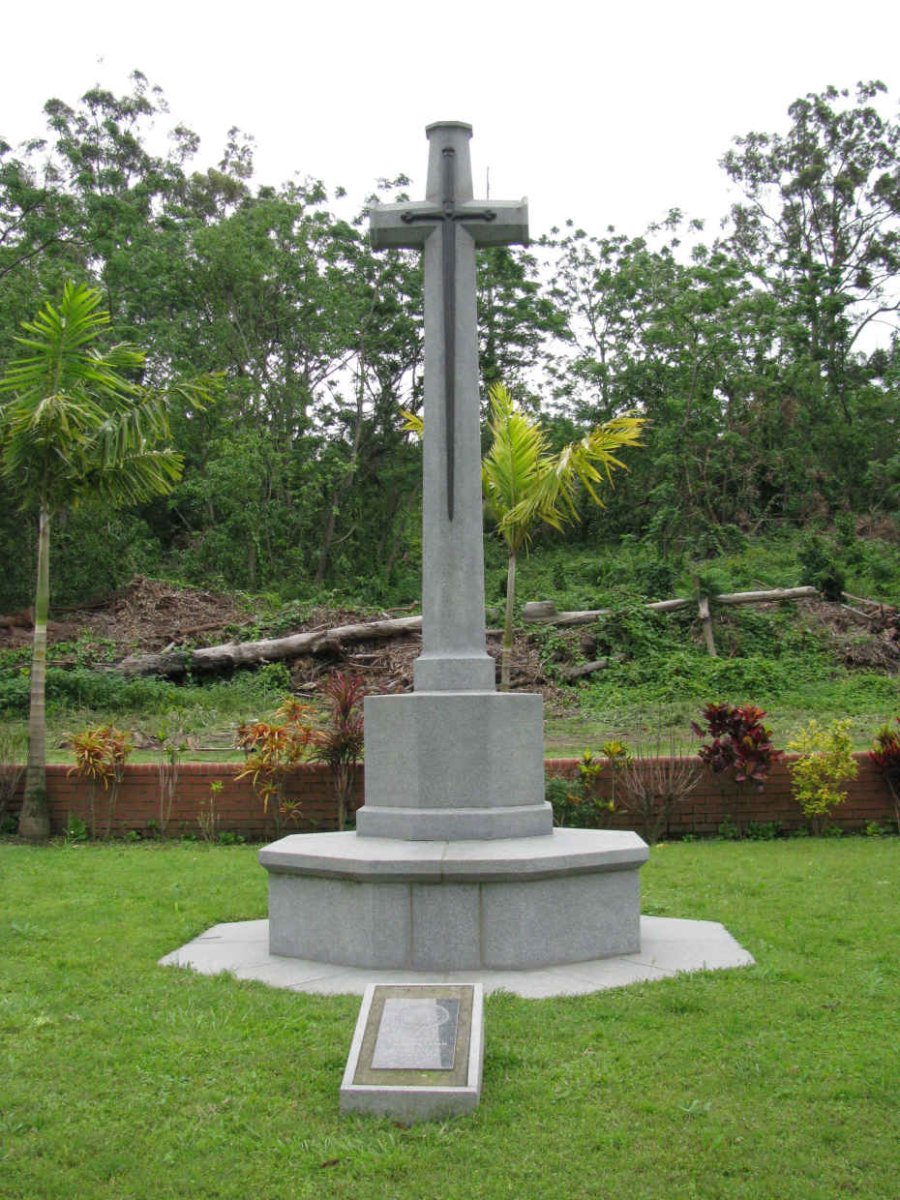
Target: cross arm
[[508, 227], [388, 229], [491, 223]]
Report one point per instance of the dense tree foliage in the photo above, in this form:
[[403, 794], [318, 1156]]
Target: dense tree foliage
[[766, 358]]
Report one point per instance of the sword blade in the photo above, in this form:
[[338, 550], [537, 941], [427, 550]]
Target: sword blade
[[448, 262], [448, 254]]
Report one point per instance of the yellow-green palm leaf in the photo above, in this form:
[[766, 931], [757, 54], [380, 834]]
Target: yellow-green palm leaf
[[526, 485]]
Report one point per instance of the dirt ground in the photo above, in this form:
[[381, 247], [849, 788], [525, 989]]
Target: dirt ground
[[146, 615]]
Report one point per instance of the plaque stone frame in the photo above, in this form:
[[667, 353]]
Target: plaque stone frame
[[438, 1067]]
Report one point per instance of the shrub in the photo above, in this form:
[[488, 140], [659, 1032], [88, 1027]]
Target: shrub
[[742, 746], [271, 749], [173, 742], [577, 802], [630, 627], [885, 754], [826, 761], [651, 788], [339, 743], [12, 767], [762, 831], [101, 752], [820, 569], [208, 816]]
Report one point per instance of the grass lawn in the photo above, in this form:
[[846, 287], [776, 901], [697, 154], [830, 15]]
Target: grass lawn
[[121, 1079]]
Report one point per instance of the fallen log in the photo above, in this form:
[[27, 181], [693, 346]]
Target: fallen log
[[544, 611], [874, 603], [209, 659], [582, 669], [857, 614]]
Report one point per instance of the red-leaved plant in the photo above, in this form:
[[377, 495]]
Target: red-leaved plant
[[885, 754], [741, 745], [101, 752], [339, 742], [272, 748]]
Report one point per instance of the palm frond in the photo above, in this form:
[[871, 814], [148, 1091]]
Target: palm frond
[[76, 421], [134, 478], [412, 423], [545, 487], [512, 467]]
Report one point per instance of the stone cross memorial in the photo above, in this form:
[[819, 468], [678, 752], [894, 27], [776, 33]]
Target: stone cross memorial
[[455, 863], [478, 755]]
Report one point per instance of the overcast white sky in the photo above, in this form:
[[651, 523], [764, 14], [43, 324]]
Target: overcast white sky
[[607, 113]]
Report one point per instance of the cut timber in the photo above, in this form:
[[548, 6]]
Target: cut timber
[[776, 596], [858, 615], [582, 669], [706, 621], [210, 659], [874, 603], [545, 611]]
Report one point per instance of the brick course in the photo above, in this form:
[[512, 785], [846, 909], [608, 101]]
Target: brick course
[[240, 810]]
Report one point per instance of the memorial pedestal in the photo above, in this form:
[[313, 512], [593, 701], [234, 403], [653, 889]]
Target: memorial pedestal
[[514, 903], [454, 765]]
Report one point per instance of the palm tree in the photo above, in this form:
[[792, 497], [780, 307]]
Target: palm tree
[[76, 427], [525, 484]]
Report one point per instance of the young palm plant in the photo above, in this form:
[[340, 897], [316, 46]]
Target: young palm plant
[[525, 484], [76, 426]]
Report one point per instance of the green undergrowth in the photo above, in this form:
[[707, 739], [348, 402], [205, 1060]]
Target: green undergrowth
[[578, 576], [125, 1079], [649, 701], [205, 711], [781, 658]]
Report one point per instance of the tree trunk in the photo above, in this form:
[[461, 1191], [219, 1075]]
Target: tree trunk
[[506, 652], [327, 537], [176, 663], [34, 819], [588, 668]]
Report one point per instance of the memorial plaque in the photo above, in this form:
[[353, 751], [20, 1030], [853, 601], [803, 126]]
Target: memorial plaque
[[419, 1034], [416, 1052]]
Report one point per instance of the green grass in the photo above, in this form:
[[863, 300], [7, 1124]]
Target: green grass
[[121, 1079]]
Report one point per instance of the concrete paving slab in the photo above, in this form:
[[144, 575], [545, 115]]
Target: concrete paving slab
[[236, 931], [669, 946], [666, 941]]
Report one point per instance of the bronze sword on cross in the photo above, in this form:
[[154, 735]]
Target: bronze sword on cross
[[448, 215]]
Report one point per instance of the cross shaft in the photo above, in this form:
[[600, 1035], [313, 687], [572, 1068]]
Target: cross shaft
[[454, 655]]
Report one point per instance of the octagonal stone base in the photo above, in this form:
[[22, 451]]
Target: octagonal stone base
[[514, 903]]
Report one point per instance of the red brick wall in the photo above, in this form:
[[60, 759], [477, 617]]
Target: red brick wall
[[240, 811]]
